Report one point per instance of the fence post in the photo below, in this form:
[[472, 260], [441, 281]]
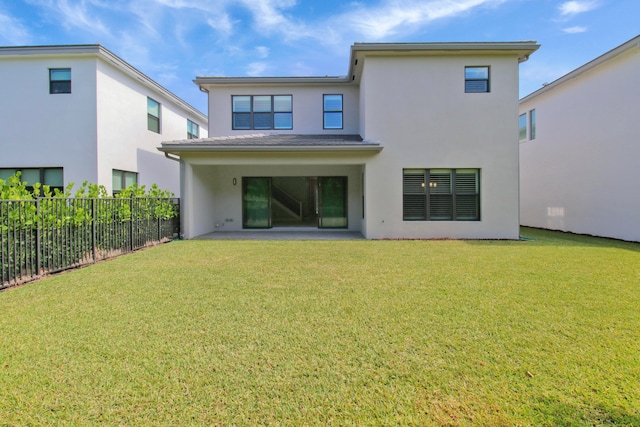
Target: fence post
[[93, 230], [39, 220], [155, 212], [131, 225]]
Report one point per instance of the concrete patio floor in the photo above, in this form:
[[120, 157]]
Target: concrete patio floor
[[284, 233]]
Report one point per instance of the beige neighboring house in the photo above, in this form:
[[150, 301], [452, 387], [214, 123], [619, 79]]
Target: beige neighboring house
[[78, 112], [418, 140], [579, 149]]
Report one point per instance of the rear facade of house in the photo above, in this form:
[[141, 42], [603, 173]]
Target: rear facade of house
[[78, 113], [419, 140]]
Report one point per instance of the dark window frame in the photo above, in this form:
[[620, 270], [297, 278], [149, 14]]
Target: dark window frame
[[152, 118], [123, 179], [325, 111], [272, 114], [59, 86], [470, 83], [191, 126], [532, 124], [41, 176], [422, 202]]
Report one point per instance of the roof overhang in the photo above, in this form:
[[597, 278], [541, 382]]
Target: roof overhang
[[274, 143], [203, 148]]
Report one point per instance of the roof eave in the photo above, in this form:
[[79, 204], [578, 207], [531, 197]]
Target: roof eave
[[230, 81], [523, 49], [633, 43], [183, 148]]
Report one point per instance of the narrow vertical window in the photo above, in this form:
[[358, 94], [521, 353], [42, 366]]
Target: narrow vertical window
[[153, 115], [532, 124], [332, 110], [522, 126], [476, 79], [262, 117], [282, 112], [193, 130], [60, 80], [241, 107]]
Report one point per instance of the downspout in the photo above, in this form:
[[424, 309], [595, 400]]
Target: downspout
[[182, 213]]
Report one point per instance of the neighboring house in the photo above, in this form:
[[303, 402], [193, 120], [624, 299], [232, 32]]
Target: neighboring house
[[419, 140], [580, 149], [79, 112]]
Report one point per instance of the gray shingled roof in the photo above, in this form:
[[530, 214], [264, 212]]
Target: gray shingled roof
[[275, 142], [274, 139]]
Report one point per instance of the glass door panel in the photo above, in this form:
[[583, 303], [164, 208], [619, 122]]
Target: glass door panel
[[256, 202], [333, 202]]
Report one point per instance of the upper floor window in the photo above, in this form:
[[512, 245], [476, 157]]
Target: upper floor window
[[332, 107], [122, 179], [153, 115], [522, 127], [262, 112], [30, 176], [532, 124], [60, 80], [476, 79], [441, 194], [193, 130]]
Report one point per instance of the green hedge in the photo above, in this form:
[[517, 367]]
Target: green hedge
[[44, 231]]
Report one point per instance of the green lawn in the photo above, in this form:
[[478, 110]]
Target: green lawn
[[456, 333]]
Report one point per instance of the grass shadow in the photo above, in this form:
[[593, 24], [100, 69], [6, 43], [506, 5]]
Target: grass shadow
[[541, 237]]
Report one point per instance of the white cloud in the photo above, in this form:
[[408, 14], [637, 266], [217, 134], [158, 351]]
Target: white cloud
[[269, 18], [394, 16], [13, 31], [74, 14], [221, 23], [256, 69], [262, 51], [571, 8], [575, 30]]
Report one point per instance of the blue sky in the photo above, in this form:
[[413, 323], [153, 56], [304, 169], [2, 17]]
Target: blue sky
[[173, 41]]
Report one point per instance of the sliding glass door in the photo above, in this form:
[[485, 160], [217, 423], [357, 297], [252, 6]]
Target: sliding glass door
[[321, 202], [332, 192], [256, 202]]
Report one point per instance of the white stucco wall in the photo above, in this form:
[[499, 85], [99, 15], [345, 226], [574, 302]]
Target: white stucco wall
[[100, 126], [580, 173], [307, 108], [124, 141], [417, 108], [39, 129]]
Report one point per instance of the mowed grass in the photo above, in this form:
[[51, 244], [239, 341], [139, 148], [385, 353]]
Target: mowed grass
[[455, 333]]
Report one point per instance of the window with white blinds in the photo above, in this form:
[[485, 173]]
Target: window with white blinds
[[441, 194], [262, 112], [476, 79]]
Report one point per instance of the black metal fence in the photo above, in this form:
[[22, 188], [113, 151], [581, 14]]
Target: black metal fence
[[49, 235]]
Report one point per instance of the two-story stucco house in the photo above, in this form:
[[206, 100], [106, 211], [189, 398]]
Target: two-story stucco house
[[419, 140], [79, 112], [579, 149]]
